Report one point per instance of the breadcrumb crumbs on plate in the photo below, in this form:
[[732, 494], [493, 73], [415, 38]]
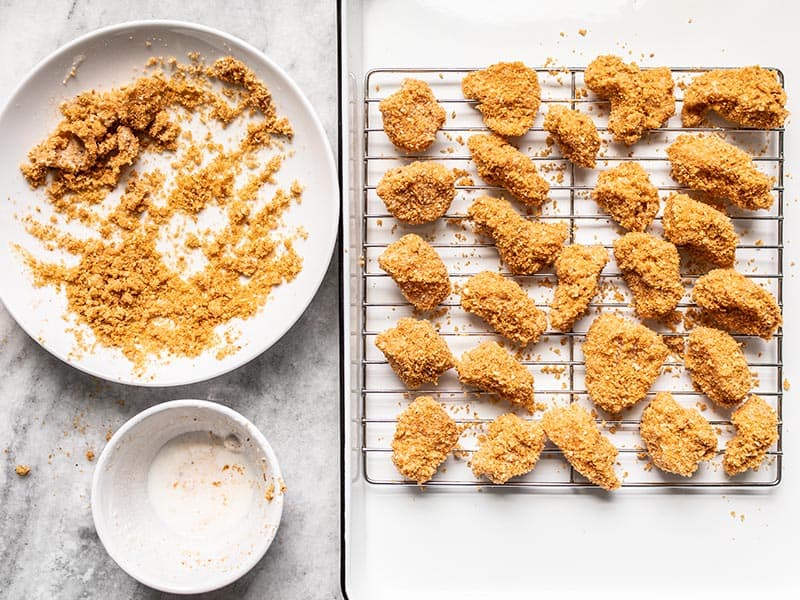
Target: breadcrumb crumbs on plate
[[90, 455], [786, 385], [22, 470]]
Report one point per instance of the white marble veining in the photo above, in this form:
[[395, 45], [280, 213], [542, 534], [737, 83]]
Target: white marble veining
[[51, 414]]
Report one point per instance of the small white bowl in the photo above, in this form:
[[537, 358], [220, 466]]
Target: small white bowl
[[181, 496]]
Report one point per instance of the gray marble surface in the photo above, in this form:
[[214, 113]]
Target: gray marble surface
[[51, 414]]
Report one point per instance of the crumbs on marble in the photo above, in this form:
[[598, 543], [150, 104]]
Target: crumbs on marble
[[22, 470], [90, 455]]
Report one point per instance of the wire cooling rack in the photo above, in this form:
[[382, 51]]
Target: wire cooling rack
[[556, 361]]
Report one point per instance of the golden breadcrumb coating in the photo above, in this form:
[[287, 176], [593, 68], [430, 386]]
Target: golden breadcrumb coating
[[705, 162], [651, 268], [750, 96], [573, 430], [418, 271], [525, 246], [578, 270], [678, 439], [492, 369], [418, 193], [717, 366], [735, 303], [511, 447], [411, 116], [415, 351], [640, 100], [425, 435], [625, 192], [505, 306], [623, 359], [756, 425], [500, 163], [507, 95], [575, 134], [703, 230]]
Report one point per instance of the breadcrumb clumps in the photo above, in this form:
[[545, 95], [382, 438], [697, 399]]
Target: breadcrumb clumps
[[525, 246], [424, 436], [756, 425], [703, 230], [505, 306], [623, 359], [412, 116], [415, 351], [625, 192], [573, 430], [418, 271], [511, 447], [492, 369], [500, 163], [575, 133], [578, 270], [678, 439], [717, 366], [750, 96], [508, 96], [418, 193], [709, 164], [737, 304]]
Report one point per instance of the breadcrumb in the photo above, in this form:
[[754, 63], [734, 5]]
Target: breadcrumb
[[508, 96], [626, 193], [756, 425], [418, 271], [578, 270], [425, 435], [22, 470], [717, 366], [511, 447], [575, 133], [418, 193], [705, 231], [415, 351], [411, 116], [500, 163], [492, 369]]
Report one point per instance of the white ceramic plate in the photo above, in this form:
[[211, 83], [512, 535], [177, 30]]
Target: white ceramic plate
[[112, 57]]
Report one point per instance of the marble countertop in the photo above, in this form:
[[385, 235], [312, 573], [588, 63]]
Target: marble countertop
[[51, 414]]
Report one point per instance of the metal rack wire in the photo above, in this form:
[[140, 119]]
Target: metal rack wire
[[382, 396]]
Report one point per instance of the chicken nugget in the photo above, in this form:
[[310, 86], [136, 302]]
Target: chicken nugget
[[525, 246], [415, 351], [424, 436], [500, 163], [575, 134], [756, 425], [505, 306], [418, 193], [750, 96], [511, 447], [678, 439], [573, 430], [735, 303], [490, 368], [623, 359], [651, 268], [578, 270], [717, 366], [625, 192], [703, 230], [508, 96], [706, 163], [411, 116], [418, 271]]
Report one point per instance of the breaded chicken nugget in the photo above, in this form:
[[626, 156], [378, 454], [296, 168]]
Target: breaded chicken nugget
[[415, 351], [735, 303], [705, 162], [418, 271], [511, 447], [756, 425], [505, 306], [578, 270], [623, 359], [425, 435], [525, 246], [640, 100], [703, 230], [750, 96], [500, 163], [507, 95], [573, 430], [411, 116], [625, 192], [717, 366], [678, 439], [575, 134], [418, 193], [651, 268], [490, 368]]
